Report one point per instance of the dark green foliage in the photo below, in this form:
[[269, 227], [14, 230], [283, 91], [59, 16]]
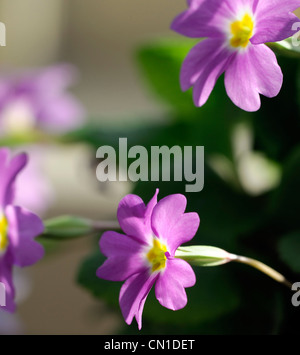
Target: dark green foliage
[[230, 299]]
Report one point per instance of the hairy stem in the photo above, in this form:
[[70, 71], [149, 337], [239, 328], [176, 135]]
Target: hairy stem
[[263, 268]]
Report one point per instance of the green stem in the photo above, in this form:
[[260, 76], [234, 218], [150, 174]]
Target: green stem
[[263, 268], [74, 227]]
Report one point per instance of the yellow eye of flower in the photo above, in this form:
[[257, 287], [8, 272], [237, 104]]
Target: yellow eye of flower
[[3, 234], [156, 256], [241, 32]]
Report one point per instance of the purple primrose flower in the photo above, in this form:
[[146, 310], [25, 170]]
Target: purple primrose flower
[[18, 227], [39, 99], [35, 179], [235, 33], [146, 254]]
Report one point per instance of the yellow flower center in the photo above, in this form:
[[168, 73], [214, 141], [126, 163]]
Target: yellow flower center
[[3, 234], [241, 32], [156, 256]]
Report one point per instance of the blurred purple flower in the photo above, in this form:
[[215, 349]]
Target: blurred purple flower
[[39, 99], [236, 32], [145, 255], [18, 227], [34, 179]]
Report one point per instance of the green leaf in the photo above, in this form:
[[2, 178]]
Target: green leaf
[[285, 201], [160, 62], [289, 250], [276, 123]]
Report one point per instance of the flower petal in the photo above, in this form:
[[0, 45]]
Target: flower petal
[[171, 224], [24, 226], [210, 71], [6, 266], [275, 20], [203, 19], [60, 113], [116, 244], [52, 80], [195, 62], [8, 172], [251, 73], [170, 286], [38, 193], [277, 6], [124, 257], [134, 217], [133, 295]]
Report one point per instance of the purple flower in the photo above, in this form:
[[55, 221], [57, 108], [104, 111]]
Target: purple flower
[[35, 179], [235, 32], [18, 227], [38, 99], [146, 254]]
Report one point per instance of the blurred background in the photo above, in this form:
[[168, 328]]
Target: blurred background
[[100, 39]]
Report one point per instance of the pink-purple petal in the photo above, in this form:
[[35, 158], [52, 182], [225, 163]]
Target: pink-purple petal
[[133, 294], [38, 194], [274, 27], [149, 209], [4, 154], [171, 284], [124, 257], [60, 113], [24, 226], [215, 66], [134, 217], [171, 224], [139, 313], [269, 7], [251, 73], [56, 78], [203, 19], [121, 268], [9, 170], [116, 244], [196, 61], [182, 271], [275, 20]]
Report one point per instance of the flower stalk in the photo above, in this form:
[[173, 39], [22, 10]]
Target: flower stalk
[[202, 255], [267, 270], [68, 227]]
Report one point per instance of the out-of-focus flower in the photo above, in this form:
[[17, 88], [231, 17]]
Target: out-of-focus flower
[[18, 227], [146, 254], [38, 99], [35, 179], [235, 33]]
